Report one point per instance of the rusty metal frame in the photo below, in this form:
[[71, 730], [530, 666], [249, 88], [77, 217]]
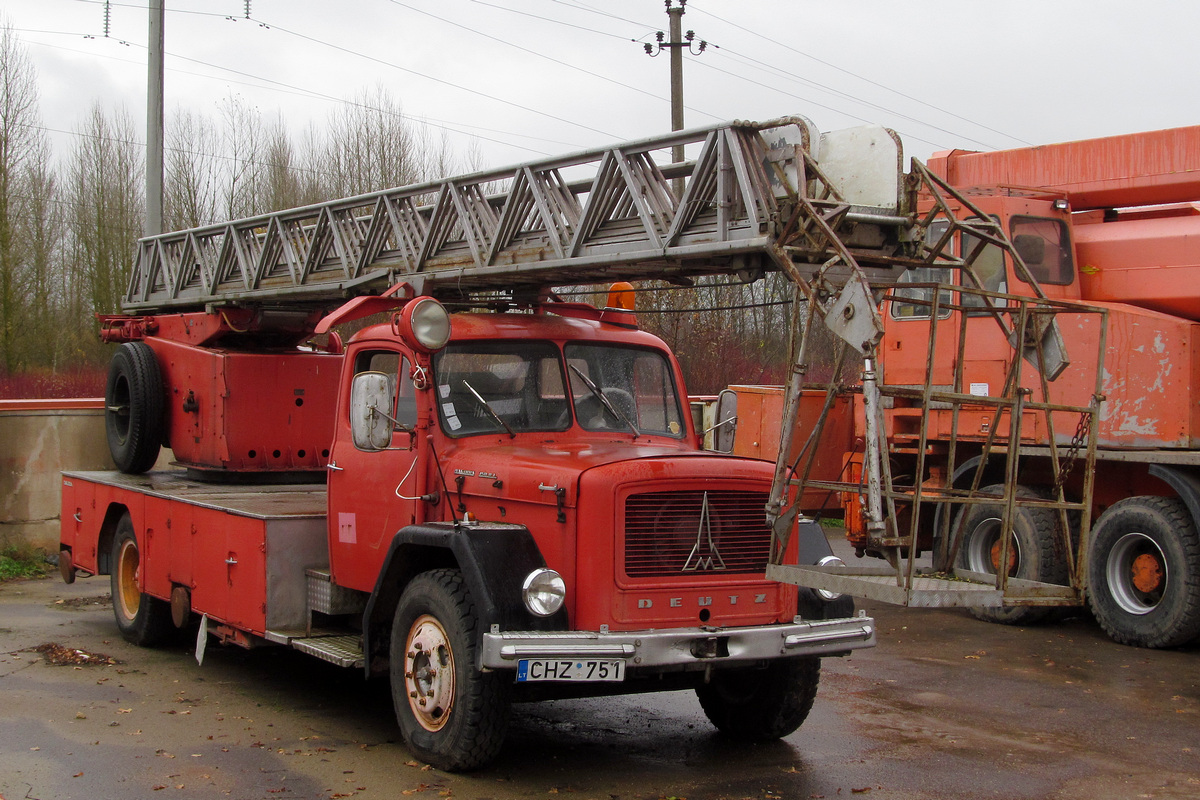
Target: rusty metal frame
[[1028, 323], [903, 581]]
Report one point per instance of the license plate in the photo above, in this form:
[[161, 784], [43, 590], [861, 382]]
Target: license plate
[[561, 669]]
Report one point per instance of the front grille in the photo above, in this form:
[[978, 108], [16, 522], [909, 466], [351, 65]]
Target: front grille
[[668, 534]]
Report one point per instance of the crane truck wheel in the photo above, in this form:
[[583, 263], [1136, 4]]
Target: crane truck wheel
[[142, 619], [133, 407], [450, 714], [1035, 550], [760, 704], [1144, 572]]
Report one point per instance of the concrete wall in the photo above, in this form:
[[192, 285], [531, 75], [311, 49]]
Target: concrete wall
[[38, 439]]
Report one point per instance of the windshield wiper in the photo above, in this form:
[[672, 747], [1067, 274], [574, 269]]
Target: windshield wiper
[[489, 410], [596, 390]]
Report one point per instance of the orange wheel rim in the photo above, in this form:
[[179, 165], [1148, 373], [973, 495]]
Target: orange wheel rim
[[129, 595], [1147, 573], [1012, 556]]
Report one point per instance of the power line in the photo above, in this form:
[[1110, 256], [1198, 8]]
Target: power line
[[590, 10], [560, 62], [451, 84], [850, 97], [453, 127], [762, 65], [860, 77], [143, 8], [552, 20], [811, 101]]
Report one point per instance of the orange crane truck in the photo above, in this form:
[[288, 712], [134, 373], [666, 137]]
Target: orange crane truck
[[1096, 472]]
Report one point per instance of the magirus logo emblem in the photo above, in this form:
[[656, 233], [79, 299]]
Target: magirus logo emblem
[[704, 553]]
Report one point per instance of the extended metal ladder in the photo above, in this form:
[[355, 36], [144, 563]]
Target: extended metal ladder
[[590, 216]]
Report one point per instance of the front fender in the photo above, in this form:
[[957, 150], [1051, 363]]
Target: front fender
[[494, 559]]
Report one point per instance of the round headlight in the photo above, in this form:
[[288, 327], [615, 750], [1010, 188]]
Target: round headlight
[[543, 592], [830, 561], [427, 322]]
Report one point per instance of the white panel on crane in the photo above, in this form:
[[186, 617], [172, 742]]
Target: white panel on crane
[[865, 165]]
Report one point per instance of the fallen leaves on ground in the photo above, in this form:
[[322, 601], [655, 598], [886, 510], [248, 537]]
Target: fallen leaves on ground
[[57, 655]]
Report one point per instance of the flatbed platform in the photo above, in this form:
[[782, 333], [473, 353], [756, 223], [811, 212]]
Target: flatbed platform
[[266, 501]]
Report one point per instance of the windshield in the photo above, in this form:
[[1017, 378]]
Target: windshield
[[511, 387], [623, 388]]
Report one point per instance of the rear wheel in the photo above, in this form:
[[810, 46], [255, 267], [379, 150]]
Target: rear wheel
[[450, 714], [142, 619], [1144, 572], [133, 407], [1035, 551], [760, 704]]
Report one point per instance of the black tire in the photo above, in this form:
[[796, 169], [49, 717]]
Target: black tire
[[464, 716], [133, 407], [1144, 572], [142, 619], [761, 704], [1036, 552]]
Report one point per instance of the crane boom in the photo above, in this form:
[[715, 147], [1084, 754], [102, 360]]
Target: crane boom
[[1136, 169]]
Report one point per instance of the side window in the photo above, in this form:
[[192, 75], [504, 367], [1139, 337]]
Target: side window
[[406, 397], [989, 268], [1045, 247], [916, 302]]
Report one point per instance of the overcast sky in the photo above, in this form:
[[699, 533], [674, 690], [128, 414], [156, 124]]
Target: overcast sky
[[533, 77]]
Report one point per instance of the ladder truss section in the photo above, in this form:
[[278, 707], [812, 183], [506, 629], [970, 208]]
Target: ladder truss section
[[598, 215]]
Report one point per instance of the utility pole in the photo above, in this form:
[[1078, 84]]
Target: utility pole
[[677, 43], [154, 121]]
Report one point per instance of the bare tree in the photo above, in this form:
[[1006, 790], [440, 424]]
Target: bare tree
[[106, 204], [242, 158], [191, 172], [40, 228], [20, 140], [284, 180], [723, 331], [370, 145]]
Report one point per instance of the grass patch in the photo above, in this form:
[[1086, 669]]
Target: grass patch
[[17, 562]]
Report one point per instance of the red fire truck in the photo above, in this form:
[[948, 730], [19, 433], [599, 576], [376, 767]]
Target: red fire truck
[[505, 503]]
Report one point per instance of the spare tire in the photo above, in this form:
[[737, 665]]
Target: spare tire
[[133, 407]]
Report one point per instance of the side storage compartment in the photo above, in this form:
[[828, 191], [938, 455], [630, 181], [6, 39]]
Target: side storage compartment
[[237, 554]]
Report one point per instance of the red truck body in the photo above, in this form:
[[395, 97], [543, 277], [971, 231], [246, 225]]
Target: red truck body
[[498, 463]]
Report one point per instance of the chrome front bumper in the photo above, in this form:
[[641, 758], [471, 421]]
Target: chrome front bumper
[[682, 647]]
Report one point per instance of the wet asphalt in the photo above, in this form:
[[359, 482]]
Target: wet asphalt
[[944, 707]]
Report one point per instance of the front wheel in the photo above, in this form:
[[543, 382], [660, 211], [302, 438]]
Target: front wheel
[[142, 619], [759, 704], [1144, 572], [450, 714]]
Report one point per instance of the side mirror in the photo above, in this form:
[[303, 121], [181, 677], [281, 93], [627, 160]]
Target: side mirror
[[370, 401], [725, 424]]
